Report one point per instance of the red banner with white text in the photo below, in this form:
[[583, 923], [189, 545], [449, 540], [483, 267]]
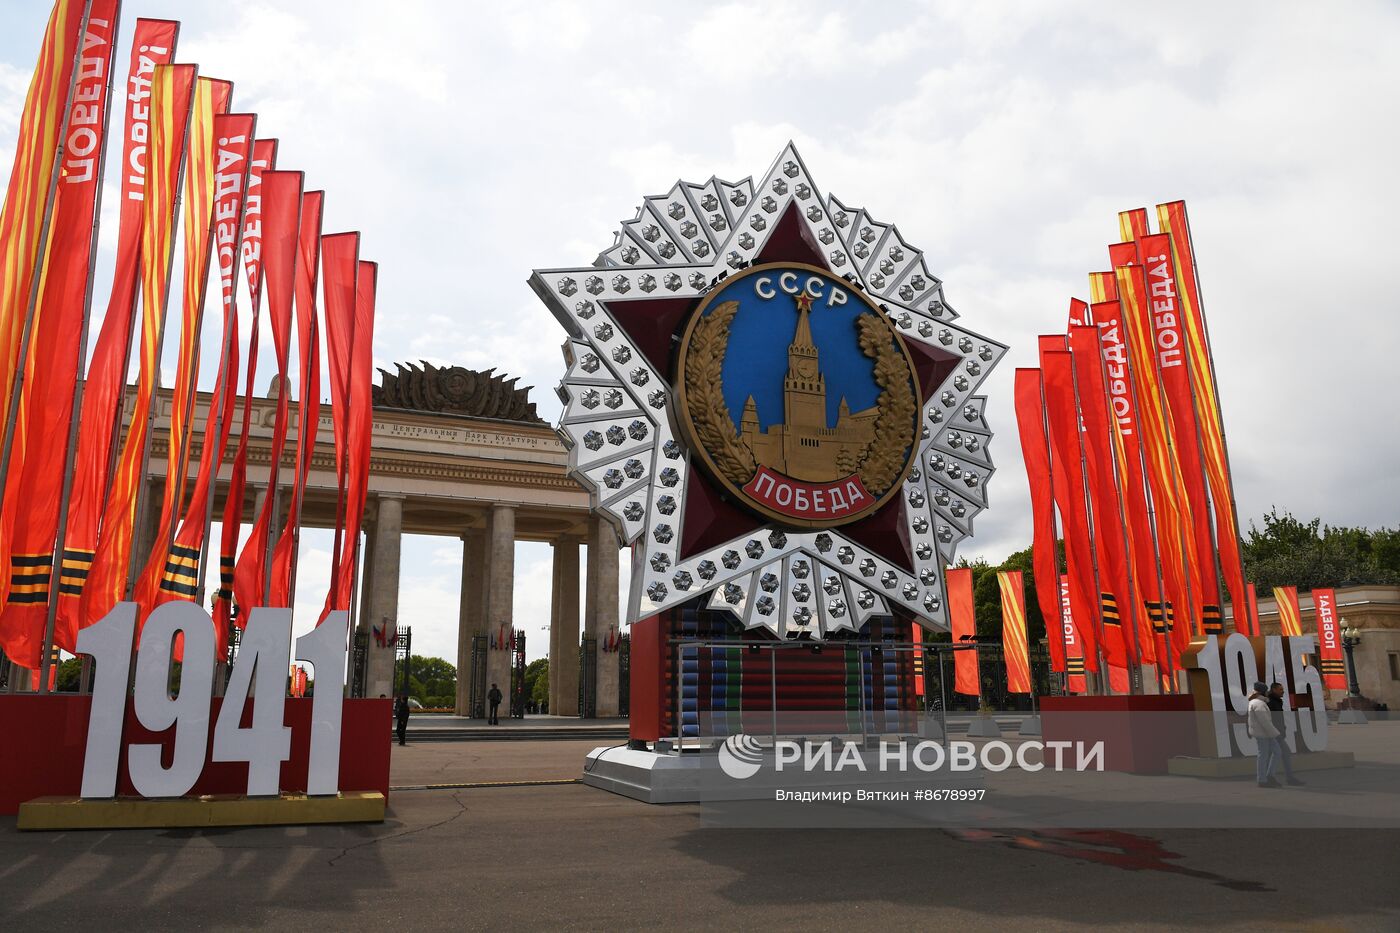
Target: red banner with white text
[[172, 99], [1173, 372], [1119, 638], [152, 44], [1329, 639], [1180, 579], [34, 483], [264, 160], [233, 135], [281, 216]]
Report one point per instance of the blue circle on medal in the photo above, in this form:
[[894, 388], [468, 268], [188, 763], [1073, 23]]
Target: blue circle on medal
[[814, 419]]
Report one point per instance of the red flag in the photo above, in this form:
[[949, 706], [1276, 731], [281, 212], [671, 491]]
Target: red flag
[[1075, 680], [964, 622], [33, 485], [264, 159], [916, 635], [281, 213], [171, 106], [233, 135], [1329, 639], [1172, 219], [1142, 551], [1174, 372], [32, 181], [211, 100], [1108, 524], [1290, 616], [1063, 421], [1179, 577], [1103, 286], [1251, 623], [340, 258], [1030, 421], [309, 384], [360, 427], [1132, 225], [152, 44], [1013, 631]]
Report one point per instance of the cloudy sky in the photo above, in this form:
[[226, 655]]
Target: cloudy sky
[[472, 142]]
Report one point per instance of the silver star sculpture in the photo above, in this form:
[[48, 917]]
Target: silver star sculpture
[[618, 420]]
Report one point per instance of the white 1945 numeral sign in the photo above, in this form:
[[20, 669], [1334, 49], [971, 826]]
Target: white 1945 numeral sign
[[260, 670]]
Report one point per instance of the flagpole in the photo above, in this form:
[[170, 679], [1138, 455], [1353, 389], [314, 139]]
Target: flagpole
[[1054, 557], [80, 383], [1114, 440], [41, 254], [138, 518], [227, 385]]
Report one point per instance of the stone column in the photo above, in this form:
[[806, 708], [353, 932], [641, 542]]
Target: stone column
[[384, 596], [470, 619], [601, 617], [366, 577], [563, 631], [500, 598]]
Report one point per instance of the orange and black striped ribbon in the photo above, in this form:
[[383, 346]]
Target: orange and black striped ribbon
[[30, 577]]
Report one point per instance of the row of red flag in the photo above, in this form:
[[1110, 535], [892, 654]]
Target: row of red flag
[[1015, 646], [1123, 440], [73, 485]]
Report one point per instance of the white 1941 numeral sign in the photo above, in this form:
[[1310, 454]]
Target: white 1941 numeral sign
[[260, 670]]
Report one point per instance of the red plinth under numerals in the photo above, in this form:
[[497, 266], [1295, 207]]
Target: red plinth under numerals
[[45, 738]]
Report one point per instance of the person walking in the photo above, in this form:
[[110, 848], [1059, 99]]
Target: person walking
[[1280, 719], [1261, 729], [401, 717], [493, 697]]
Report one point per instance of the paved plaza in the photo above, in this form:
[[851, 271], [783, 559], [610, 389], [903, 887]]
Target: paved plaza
[[548, 855]]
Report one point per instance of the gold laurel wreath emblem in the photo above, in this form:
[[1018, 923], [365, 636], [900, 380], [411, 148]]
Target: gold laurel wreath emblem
[[882, 461], [896, 409], [704, 393]]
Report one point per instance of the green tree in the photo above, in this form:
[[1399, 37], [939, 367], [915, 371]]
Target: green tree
[[537, 672], [1289, 552], [431, 678]]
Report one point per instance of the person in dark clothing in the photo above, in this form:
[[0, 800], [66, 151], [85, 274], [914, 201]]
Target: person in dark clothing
[[401, 717], [1275, 701], [493, 697]]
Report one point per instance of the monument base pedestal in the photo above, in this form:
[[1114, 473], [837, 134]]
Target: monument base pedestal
[[50, 813], [696, 775]]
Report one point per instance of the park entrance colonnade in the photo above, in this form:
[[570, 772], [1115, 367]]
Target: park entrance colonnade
[[438, 469]]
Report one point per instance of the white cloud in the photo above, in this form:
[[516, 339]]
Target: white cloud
[[471, 143]]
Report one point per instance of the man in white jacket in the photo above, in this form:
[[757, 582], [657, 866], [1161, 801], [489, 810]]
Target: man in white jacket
[[1261, 729]]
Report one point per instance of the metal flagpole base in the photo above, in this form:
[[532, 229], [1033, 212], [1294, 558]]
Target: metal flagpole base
[[984, 727], [931, 727]]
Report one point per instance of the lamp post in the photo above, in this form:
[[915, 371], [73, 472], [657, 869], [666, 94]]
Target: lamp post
[[1352, 715]]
